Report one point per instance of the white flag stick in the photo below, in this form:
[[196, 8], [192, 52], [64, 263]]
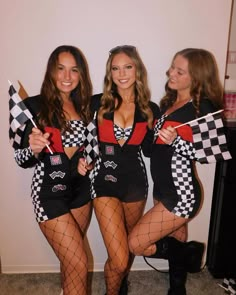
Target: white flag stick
[[189, 122], [51, 152]]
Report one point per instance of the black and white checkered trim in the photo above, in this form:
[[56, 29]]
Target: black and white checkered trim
[[35, 190], [158, 126], [184, 148], [75, 136], [92, 175], [23, 155], [182, 177]]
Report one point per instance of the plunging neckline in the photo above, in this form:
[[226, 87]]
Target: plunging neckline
[[131, 126]]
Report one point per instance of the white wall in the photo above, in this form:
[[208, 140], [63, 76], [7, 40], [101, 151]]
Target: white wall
[[31, 29]]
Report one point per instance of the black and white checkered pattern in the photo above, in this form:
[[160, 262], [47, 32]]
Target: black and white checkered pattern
[[75, 137], [23, 155], [35, 190], [158, 125], [90, 139], [181, 173], [122, 133], [184, 148], [229, 285], [209, 139], [15, 137], [92, 175], [19, 114]]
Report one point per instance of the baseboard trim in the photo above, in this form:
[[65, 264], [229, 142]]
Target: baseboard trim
[[160, 264]]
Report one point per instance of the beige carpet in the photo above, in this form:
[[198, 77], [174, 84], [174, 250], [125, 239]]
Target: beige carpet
[[141, 283]]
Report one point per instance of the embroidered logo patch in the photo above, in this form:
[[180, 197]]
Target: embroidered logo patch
[[110, 178], [110, 164], [55, 160], [55, 174], [59, 187], [109, 150]]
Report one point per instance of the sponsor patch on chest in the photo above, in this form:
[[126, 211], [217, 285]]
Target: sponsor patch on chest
[[109, 150], [55, 160]]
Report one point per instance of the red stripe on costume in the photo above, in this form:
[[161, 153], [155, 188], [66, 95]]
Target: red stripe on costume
[[138, 133], [106, 132], [55, 140], [185, 131]]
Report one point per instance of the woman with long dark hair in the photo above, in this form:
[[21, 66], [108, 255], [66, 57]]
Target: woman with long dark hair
[[60, 195]]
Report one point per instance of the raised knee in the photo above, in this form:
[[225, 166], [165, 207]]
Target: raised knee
[[133, 247]]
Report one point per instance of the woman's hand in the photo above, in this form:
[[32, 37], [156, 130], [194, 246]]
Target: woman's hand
[[83, 168], [38, 141], [168, 135]]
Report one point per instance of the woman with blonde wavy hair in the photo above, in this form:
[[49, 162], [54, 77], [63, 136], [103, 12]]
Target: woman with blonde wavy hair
[[119, 180]]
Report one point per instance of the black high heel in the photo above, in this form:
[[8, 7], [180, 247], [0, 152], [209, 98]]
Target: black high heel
[[194, 253], [124, 286], [162, 249]]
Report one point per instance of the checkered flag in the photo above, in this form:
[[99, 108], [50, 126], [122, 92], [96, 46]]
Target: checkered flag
[[19, 114], [90, 138], [229, 285], [209, 139]]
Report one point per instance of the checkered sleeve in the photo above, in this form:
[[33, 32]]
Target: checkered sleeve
[[25, 157], [185, 148]]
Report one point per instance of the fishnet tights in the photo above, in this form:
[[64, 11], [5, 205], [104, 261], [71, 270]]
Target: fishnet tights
[[65, 235], [115, 220], [157, 223]]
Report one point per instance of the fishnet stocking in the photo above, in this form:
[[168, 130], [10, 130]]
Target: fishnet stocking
[[82, 216], [133, 212], [154, 225], [115, 219], [64, 236]]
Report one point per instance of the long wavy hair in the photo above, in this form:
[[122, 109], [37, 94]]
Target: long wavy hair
[[205, 82], [52, 113], [142, 91]]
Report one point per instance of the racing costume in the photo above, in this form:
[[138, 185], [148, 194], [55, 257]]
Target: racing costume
[[120, 171], [173, 171], [56, 187]]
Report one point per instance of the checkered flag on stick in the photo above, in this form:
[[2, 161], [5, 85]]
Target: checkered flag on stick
[[90, 137], [208, 138], [19, 115]]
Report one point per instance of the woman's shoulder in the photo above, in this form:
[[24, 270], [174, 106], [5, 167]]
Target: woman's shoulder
[[96, 102], [207, 106], [33, 103], [155, 108]]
